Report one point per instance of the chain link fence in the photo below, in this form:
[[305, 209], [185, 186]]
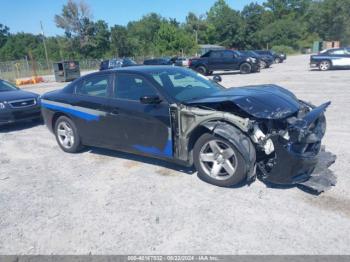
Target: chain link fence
[[12, 70]]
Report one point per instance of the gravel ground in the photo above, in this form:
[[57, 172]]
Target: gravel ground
[[105, 202]]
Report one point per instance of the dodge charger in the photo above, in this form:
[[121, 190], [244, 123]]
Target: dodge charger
[[230, 135]]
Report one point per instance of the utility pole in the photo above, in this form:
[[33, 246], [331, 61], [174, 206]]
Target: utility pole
[[44, 42]]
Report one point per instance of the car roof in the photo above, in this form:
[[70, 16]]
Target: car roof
[[138, 69]]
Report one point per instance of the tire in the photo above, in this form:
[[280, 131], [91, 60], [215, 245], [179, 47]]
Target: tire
[[263, 64], [278, 60], [202, 70], [205, 159], [324, 65], [245, 68], [67, 135]]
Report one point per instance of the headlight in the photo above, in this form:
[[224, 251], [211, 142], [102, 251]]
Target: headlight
[[251, 59], [2, 106]]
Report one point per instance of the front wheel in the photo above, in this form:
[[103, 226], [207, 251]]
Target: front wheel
[[263, 64], [202, 70], [277, 60], [67, 135], [245, 68], [324, 65], [218, 162]]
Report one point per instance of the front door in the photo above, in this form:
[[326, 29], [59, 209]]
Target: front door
[[144, 127]]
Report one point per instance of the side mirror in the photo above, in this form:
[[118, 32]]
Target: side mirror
[[217, 79], [150, 100]]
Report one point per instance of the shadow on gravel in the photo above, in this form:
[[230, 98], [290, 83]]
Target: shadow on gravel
[[142, 159], [226, 73], [19, 126], [326, 159]]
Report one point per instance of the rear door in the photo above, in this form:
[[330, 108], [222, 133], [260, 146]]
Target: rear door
[[91, 108], [215, 61], [143, 127]]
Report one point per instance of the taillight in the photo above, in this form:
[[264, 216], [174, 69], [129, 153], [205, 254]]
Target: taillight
[[189, 62]]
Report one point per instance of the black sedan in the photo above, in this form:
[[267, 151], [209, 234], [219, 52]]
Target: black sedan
[[178, 115], [17, 105], [116, 63]]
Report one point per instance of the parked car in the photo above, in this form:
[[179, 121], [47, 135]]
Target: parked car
[[265, 60], [277, 57], [159, 61], [17, 105], [227, 60], [116, 63], [181, 61], [178, 115], [331, 59]]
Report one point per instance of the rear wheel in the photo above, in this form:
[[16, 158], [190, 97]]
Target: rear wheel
[[245, 68], [218, 162], [202, 70], [67, 135], [263, 64], [277, 60], [324, 65]]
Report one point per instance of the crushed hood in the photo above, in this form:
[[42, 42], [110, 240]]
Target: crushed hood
[[260, 101]]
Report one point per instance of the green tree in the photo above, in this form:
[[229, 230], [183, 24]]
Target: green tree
[[197, 26], [120, 42], [255, 19], [4, 34], [225, 25], [330, 19], [172, 40]]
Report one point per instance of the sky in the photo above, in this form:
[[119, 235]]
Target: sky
[[25, 15]]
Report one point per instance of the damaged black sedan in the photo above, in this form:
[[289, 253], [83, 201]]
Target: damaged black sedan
[[175, 114]]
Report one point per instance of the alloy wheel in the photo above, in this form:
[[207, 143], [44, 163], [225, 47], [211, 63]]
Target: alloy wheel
[[324, 65], [218, 159], [65, 135]]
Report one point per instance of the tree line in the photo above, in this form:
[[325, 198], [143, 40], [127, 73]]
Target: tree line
[[284, 25]]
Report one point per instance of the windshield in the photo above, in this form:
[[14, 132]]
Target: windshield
[[6, 86], [184, 84]]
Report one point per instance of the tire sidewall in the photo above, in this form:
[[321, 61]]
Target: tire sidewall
[[277, 60], [202, 70], [237, 178], [242, 66], [77, 142]]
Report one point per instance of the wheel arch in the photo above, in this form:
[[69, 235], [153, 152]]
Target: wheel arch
[[232, 134], [55, 116]]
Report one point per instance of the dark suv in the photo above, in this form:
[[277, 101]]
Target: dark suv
[[277, 57], [224, 60]]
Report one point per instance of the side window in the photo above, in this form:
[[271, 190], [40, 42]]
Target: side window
[[337, 52], [215, 55], [132, 87], [228, 54], [96, 85]]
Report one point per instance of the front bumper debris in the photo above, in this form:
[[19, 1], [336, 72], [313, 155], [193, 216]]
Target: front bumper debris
[[296, 159]]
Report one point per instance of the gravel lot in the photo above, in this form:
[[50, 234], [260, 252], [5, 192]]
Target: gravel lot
[[107, 202]]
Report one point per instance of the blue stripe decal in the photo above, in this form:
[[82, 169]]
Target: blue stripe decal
[[74, 112], [167, 151]]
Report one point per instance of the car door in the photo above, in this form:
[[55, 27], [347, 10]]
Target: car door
[[340, 57], [91, 108], [215, 61], [145, 127]]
